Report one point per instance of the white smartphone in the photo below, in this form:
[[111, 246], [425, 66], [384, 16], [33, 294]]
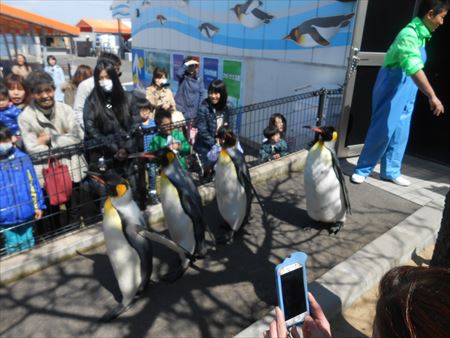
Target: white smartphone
[[292, 289]]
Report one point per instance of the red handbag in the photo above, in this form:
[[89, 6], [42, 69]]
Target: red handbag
[[57, 182]]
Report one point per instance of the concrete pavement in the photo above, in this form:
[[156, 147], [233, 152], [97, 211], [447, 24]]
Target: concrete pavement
[[227, 291]]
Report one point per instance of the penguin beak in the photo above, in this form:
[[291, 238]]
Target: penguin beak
[[315, 129], [141, 155], [96, 177]]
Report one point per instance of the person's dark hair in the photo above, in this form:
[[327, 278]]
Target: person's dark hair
[[158, 73], [38, 79], [225, 133], [5, 133], [105, 56], [50, 57], [162, 113], [14, 80], [99, 98], [82, 73], [25, 63], [269, 131], [141, 101], [3, 90], [281, 116], [413, 302], [437, 6], [218, 86]]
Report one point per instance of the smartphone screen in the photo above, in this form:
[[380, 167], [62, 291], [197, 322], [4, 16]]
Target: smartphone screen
[[293, 293]]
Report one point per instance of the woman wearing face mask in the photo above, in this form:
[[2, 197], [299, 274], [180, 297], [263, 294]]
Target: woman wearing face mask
[[160, 95], [110, 124]]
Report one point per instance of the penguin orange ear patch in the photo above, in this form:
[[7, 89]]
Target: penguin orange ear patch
[[121, 189], [171, 157]]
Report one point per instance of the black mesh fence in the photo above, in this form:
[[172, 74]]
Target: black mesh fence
[[75, 200]]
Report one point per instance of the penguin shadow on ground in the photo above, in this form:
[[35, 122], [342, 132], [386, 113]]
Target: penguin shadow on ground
[[103, 271], [292, 214], [206, 297]]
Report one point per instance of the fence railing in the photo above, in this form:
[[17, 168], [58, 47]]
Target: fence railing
[[320, 107]]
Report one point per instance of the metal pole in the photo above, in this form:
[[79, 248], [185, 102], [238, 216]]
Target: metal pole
[[322, 95], [7, 47]]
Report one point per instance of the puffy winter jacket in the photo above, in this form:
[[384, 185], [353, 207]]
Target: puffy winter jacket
[[20, 192]]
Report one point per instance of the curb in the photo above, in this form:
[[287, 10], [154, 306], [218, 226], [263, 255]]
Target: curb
[[39, 258], [341, 286]]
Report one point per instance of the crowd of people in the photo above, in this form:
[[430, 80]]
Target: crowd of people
[[102, 124]]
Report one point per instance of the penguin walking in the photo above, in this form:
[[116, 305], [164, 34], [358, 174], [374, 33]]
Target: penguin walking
[[249, 14], [128, 242], [129, 253], [182, 205], [318, 31], [234, 190], [327, 199]]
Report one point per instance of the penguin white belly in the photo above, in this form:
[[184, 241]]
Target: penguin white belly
[[124, 258], [180, 225], [324, 196], [327, 32], [250, 21], [230, 194], [308, 41]]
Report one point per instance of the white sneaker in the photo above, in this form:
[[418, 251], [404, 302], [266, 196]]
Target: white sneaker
[[401, 181], [358, 179]]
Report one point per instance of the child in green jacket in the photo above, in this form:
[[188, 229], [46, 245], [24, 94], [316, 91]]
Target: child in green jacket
[[169, 137]]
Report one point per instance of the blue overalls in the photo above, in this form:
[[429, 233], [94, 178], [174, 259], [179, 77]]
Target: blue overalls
[[393, 99]]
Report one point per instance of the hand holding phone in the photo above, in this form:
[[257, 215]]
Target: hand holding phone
[[292, 288]]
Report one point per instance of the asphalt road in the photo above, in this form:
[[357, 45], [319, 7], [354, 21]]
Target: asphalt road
[[220, 296]]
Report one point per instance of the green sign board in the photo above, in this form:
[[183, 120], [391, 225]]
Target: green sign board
[[232, 78]]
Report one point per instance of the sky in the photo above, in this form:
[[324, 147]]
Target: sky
[[67, 11]]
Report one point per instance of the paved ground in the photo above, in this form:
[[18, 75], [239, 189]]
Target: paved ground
[[356, 321], [224, 294]]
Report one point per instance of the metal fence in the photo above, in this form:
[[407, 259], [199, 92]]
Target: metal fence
[[320, 107]]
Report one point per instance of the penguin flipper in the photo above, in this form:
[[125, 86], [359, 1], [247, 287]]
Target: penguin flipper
[[318, 38], [262, 15], [114, 313], [172, 276], [340, 176], [168, 243]]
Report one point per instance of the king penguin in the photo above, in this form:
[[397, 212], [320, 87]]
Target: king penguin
[[318, 31], [327, 199], [234, 190], [182, 205], [130, 253]]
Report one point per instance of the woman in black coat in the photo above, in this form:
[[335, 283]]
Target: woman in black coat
[[213, 113], [111, 124]]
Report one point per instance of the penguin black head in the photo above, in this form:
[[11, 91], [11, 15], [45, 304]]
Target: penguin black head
[[326, 134], [164, 156], [115, 185]]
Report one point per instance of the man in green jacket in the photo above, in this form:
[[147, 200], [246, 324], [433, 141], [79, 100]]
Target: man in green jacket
[[169, 137], [394, 95]]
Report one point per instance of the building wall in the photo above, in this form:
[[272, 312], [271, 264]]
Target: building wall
[[249, 42]]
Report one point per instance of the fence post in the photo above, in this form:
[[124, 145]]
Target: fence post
[[322, 95]]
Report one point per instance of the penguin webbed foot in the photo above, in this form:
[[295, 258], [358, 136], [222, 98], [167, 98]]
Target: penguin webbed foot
[[226, 238], [201, 252], [114, 313], [335, 228]]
